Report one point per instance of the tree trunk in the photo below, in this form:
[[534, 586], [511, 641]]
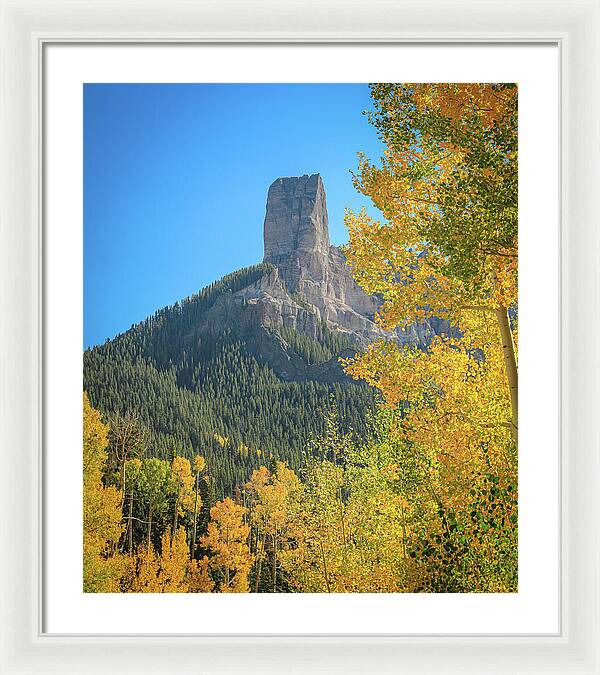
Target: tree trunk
[[403, 531], [130, 530], [195, 519], [149, 527], [325, 573], [260, 550], [342, 519], [510, 365], [123, 483], [175, 517], [274, 562]]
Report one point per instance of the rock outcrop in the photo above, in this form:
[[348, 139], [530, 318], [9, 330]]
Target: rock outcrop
[[308, 288], [296, 225], [296, 242]]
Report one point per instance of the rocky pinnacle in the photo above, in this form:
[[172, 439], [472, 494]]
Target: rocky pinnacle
[[296, 218], [296, 242], [312, 283]]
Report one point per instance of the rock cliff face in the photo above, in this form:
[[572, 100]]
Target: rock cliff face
[[308, 287], [296, 240], [296, 222]]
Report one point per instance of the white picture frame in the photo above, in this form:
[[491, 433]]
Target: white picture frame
[[27, 26]]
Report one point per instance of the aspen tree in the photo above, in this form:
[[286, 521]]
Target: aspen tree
[[102, 526], [227, 540]]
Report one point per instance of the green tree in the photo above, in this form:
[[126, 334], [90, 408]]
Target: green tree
[[133, 469], [188, 392], [155, 488]]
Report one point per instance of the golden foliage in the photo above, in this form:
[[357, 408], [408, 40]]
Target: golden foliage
[[199, 464], [227, 539], [448, 188], [200, 580], [102, 527], [183, 485], [164, 573]]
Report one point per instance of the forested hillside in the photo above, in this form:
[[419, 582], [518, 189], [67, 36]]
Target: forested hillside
[[209, 393]]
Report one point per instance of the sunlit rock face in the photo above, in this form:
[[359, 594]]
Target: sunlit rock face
[[309, 289], [296, 242], [296, 223]]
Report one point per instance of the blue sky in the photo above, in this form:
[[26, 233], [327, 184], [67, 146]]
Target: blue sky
[[176, 178]]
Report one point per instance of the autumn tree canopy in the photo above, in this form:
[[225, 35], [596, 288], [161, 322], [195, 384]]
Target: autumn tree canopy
[[448, 249], [447, 186]]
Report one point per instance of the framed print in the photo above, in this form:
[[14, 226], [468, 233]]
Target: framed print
[[271, 275], [266, 403]]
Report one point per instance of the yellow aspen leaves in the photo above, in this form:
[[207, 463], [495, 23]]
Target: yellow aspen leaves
[[166, 572], [227, 541], [102, 518], [448, 249]]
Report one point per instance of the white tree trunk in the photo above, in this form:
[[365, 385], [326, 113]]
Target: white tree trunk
[[510, 365]]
